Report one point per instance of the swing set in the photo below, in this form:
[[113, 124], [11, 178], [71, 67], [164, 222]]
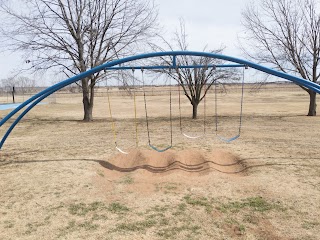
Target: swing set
[[30, 103], [170, 145]]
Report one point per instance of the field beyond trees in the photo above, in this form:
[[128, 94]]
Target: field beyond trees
[[62, 178]]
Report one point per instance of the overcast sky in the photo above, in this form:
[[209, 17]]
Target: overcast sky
[[208, 23]]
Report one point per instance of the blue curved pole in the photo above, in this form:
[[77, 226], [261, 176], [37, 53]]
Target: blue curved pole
[[45, 93], [22, 115]]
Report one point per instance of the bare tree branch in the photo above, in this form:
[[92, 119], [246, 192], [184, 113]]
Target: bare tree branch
[[285, 34], [75, 35], [195, 82]]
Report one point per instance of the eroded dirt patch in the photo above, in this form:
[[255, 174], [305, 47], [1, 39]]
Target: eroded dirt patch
[[189, 161]]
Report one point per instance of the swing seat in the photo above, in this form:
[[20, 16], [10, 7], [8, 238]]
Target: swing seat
[[192, 137], [119, 149], [160, 150], [228, 140]]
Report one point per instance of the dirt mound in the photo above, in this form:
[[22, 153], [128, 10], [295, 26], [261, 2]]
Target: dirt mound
[[224, 161], [189, 160]]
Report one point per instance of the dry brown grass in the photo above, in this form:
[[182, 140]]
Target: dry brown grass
[[55, 184]]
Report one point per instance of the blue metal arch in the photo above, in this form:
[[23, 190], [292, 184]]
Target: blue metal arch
[[34, 100]]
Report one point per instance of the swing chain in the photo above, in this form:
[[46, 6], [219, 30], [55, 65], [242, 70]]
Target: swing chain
[[145, 105], [241, 110], [147, 120], [135, 108]]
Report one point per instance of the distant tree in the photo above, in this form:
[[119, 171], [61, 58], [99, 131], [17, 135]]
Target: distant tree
[[76, 35], [195, 82], [285, 34], [7, 82], [16, 85], [25, 84]]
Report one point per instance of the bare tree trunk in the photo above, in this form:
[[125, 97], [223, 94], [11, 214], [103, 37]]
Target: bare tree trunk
[[87, 99], [87, 107], [195, 110], [13, 92], [313, 104]]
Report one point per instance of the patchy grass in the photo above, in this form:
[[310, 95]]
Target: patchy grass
[[239, 227], [33, 227], [159, 208], [117, 207], [127, 180], [69, 228], [100, 173], [76, 226], [171, 232], [135, 226], [88, 225], [167, 221], [181, 209], [8, 224], [310, 224], [199, 201], [242, 228], [163, 220], [99, 217], [81, 209], [167, 187], [254, 203], [248, 218]]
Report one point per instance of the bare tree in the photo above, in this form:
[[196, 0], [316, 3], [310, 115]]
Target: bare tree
[[7, 82], [18, 85], [195, 82], [18, 82], [286, 34], [76, 35], [25, 84]]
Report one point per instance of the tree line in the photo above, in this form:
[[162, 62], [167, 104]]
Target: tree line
[[72, 36]]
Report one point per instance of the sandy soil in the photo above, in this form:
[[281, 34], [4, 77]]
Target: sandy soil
[[61, 178]]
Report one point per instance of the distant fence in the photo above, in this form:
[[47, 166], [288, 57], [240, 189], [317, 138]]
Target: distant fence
[[165, 90], [22, 94]]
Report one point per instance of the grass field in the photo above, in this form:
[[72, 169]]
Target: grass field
[[61, 178]]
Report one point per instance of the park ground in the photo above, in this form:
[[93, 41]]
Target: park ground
[[61, 178]]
